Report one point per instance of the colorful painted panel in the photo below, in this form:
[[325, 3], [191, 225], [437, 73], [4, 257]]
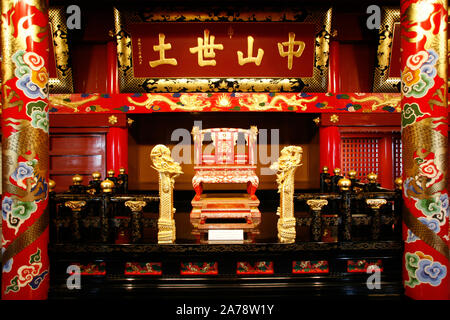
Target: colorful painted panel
[[307, 266], [362, 265], [143, 268], [92, 268], [259, 267], [199, 268], [231, 101]]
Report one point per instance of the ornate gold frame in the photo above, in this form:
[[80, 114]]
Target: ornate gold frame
[[382, 82], [63, 83], [128, 83]]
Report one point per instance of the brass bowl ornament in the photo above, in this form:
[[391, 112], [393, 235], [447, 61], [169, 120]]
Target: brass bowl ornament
[[96, 175], [77, 179], [398, 183], [344, 184], [51, 185], [352, 174], [107, 186], [372, 177]]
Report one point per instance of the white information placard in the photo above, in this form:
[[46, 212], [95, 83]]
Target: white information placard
[[226, 234]]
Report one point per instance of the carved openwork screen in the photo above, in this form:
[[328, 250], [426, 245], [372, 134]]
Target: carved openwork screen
[[397, 154], [360, 154], [219, 49]]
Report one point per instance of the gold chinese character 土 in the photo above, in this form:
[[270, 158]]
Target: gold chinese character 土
[[250, 59], [162, 47], [290, 53], [205, 49]]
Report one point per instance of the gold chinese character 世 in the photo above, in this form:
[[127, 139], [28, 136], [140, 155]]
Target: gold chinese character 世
[[205, 49], [290, 53], [250, 59], [162, 47]]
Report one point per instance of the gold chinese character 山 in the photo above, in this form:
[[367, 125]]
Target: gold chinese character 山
[[162, 47], [290, 53], [250, 59], [205, 49]]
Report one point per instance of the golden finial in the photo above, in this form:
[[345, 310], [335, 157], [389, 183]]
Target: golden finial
[[51, 185], [334, 118], [337, 172], [122, 170], [77, 179], [112, 119], [316, 120], [344, 184], [130, 122], [110, 173], [372, 177], [107, 186], [96, 175], [352, 174], [398, 183], [325, 169]]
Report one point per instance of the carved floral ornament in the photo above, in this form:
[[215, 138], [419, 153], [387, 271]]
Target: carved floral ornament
[[376, 203], [317, 204], [135, 206], [75, 205]]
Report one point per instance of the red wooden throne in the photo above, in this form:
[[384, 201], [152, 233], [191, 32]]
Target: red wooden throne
[[224, 161]]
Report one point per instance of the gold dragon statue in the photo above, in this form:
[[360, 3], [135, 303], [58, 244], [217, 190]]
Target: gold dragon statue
[[168, 170], [288, 162]]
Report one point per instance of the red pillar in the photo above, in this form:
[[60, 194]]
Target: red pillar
[[330, 147], [25, 47], [386, 170], [117, 137], [117, 149], [334, 80], [112, 84], [330, 137], [424, 142]]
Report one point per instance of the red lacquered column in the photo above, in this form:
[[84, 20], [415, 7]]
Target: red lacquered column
[[330, 147], [117, 149], [386, 170], [424, 143], [334, 80], [329, 136], [112, 84], [117, 137], [25, 47]]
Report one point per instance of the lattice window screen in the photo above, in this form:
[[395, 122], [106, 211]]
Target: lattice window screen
[[397, 142], [361, 155]]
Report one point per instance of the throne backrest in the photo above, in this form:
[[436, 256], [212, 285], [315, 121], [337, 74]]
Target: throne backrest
[[222, 150]]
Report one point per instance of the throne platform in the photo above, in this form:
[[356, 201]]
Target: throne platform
[[224, 162]]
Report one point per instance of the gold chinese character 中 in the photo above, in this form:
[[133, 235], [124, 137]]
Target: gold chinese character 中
[[205, 49], [250, 59], [290, 53], [162, 47]]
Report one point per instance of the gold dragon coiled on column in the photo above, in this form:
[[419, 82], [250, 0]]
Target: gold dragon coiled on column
[[168, 170], [288, 162]]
